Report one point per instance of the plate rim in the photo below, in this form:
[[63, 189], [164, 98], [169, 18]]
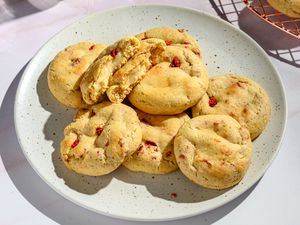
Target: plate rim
[[174, 7]]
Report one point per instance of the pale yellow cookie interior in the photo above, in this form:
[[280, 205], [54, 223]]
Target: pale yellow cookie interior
[[96, 79], [126, 78]]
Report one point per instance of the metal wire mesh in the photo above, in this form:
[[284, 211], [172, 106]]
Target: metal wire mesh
[[272, 16], [233, 11]]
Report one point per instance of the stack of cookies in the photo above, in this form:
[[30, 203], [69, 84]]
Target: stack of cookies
[[134, 97]]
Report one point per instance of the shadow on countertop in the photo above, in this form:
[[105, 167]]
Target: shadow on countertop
[[13, 9], [275, 42], [60, 116]]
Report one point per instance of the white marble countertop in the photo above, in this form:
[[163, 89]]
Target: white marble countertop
[[25, 199]]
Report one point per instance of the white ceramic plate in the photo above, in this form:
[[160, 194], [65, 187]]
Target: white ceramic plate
[[40, 119]]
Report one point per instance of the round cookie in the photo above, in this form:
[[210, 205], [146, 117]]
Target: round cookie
[[66, 70], [155, 154], [290, 8], [172, 36], [101, 138], [127, 77], [176, 82], [96, 79], [239, 97], [213, 151]]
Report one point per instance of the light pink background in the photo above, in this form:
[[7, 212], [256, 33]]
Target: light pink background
[[25, 199]]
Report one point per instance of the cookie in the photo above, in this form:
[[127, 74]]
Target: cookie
[[172, 36], [213, 151], [96, 79], [239, 97], [176, 82], [127, 77], [155, 154], [290, 8], [101, 138], [66, 70]]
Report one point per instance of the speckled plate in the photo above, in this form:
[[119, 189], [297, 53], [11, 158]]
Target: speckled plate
[[40, 119]]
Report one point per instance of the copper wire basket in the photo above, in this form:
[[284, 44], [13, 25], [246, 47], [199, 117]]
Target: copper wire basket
[[262, 9]]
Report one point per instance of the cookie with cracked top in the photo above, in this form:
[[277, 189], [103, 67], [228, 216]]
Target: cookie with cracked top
[[100, 139]]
